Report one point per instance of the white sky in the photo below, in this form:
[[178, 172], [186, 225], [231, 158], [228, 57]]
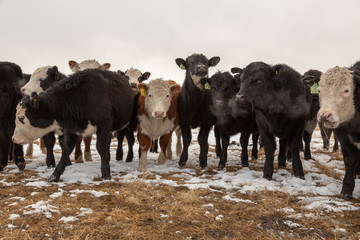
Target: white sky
[[150, 35]]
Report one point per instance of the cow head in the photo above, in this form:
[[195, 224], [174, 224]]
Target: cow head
[[197, 67], [134, 77], [41, 79], [157, 95], [336, 95], [311, 79], [87, 64], [33, 120]]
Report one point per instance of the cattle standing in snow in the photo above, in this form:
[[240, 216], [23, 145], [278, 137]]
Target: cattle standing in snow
[[158, 117], [10, 77], [339, 95], [231, 118], [194, 102], [281, 105], [75, 67], [41, 79], [87, 102]]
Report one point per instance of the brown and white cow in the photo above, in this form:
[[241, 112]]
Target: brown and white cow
[[75, 67], [158, 117], [339, 95]]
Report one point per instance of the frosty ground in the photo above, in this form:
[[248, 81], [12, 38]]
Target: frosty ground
[[168, 202]]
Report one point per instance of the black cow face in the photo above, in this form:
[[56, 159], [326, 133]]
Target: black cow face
[[223, 88], [197, 65], [311, 77], [255, 82]]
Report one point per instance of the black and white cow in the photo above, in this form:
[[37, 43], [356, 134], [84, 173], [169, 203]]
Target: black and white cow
[[339, 95], [10, 77], [87, 102], [41, 79], [232, 118], [193, 104], [281, 104]]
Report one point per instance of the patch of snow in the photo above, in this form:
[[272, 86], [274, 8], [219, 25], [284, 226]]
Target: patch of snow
[[68, 219], [219, 217], [227, 197], [14, 216], [41, 207]]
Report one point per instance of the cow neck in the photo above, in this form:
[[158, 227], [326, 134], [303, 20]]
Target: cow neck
[[194, 93]]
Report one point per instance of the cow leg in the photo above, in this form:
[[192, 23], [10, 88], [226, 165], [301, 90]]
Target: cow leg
[[19, 156], [42, 146], [62, 145], [325, 135], [131, 140], [164, 142], [282, 153], [217, 142], [154, 146], [294, 146], [254, 151], [307, 140], [29, 150], [269, 147], [186, 135], [87, 152], [69, 143], [168, 149], [204, 146], [225, 139], [103, 148], [49, 142], [336, 145], [244, 142], [5, 142], [78, 152], [11, 153], [145, 144], [119, 151], [178, 142]]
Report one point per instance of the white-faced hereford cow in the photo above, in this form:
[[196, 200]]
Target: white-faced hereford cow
[[41, 79], [90, 101], [339, 95], [158, 117], [75, 67]]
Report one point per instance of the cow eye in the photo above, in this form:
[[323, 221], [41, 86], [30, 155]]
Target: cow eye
[[149, 95], [167, 95], [21, 119], [346, 91]]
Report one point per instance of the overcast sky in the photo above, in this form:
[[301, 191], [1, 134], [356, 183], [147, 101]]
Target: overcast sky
[[150, 35]]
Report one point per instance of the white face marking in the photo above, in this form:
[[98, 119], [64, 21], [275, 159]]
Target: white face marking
[[196, 80], [25, 132], [158, 98], [89, 64], [336, 95], [34, 83], [133, 75]]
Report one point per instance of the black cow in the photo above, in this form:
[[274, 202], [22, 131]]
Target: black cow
[[193, 104], [231, 118], [339, 94], [281, 105], [10, 80], [87, 102]]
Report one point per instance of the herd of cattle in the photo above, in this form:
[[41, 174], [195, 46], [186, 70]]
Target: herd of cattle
[[270, 101]]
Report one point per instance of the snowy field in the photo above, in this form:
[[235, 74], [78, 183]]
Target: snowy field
[[319, 191]]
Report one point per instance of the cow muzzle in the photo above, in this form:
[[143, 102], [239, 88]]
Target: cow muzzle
[[327, 120], [159, 114]]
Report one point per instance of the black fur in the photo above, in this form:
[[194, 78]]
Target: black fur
[[10, 78], [193, 105], [231, 117], [100, 97], [281, 105]]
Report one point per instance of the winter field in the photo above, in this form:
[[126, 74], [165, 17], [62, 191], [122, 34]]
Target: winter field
[[168, 202]]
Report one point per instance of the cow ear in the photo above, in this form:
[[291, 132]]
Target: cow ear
[[145, 76], [105, 66], [142, 88], [175, 87], [235, 70], [34, 97], [214, 61], [74, 66], [121, 72], [181, 63], [276, 69], [53, 72]]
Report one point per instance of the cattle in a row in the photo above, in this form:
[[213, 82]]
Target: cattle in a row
[[90, 101], [11, 77]]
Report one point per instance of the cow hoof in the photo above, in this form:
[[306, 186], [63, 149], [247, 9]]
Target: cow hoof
[[21, 165], [267, 177], [221, 166], [203, 165], [300, 176], [254, 158], [346, 196], [2, 168], [67, 164], [128, 160], [52, 178], [106, 177], [88, 157], [181, 164], [51, 166]]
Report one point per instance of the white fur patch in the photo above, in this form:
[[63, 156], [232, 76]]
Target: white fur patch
[[133, 75], [34, 83], [154, 128], [90, 129], [196, 80]]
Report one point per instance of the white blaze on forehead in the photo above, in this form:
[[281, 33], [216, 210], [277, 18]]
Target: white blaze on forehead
[[160, 99], [134, 75], [333, 98], [34, 83], [25, 132]]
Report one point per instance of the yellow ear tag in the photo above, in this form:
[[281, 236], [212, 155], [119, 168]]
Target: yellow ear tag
[[143, 92], [182, 67], [207, 86], [276, 72], [34, 100]]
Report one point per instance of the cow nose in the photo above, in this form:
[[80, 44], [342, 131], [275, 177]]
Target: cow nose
[[324, 117], [240, 98], [219, 102], [133, 85], [159, 114], [22, 91]]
